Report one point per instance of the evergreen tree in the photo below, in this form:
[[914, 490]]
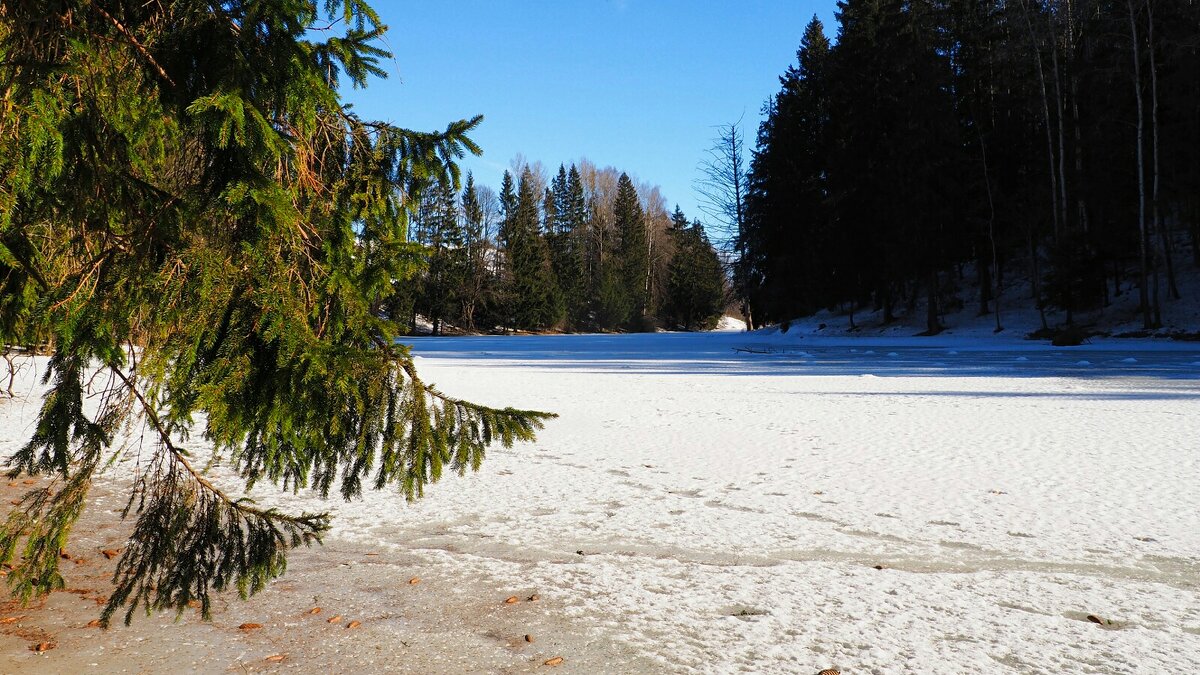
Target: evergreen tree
[[477, 282], [444, 240], [505, 297], [633, 255], [537, 303], [696, 280], [579, 294], [508, 205], [202, 194], [564, 239], [795, 263], [679, 221]]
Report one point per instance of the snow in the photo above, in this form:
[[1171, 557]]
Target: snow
[[1018, 313], [731, 324], [755, 502]]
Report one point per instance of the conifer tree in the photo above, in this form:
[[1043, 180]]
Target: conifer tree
[[564, 219], [446, 267], [477, 279], [791, 247], [508, 205], [696, 280], [632, 251], [505, 297], [575, 217], [189, 213], [537, 303]]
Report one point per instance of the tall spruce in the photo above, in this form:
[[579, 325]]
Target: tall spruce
[[564, 241], [696, 280], [505, 298], [203, 231], [536, 301], [580, 293], [477, 281], [633, 253], [791, 246], [441, 233]]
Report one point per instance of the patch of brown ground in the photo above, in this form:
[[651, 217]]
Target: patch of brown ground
[[444, 624]]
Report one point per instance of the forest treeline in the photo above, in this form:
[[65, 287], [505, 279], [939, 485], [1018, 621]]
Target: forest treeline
[[1054, 140], [585, 249]]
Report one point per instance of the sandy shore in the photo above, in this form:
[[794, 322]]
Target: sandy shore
[[442, 624]]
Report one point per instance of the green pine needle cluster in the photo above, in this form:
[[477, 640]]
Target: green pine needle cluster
[[206, 236]]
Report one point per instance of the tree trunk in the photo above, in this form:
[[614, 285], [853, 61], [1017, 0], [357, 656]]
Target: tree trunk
[[1195, 231], [1143, 293], [1035, 274], [1164, 238], [985, 284], [987, 182], [1045, 117], [932, 325], [1080, 193], [1062, 154]]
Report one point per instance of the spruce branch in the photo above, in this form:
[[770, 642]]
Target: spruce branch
[[192, 538], [136, 44], [240, 226]]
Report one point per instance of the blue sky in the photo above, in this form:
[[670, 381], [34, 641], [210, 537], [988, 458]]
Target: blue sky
[[636, 84]]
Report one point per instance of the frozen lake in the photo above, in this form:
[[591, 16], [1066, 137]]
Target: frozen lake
[[722, 501], [714, 503]]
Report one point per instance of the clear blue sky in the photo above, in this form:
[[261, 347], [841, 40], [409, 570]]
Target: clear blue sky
[[636, 84]]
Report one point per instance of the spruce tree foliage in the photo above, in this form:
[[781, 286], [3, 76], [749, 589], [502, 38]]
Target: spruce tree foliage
[[574, 218], [696, 281], [564, 220], [477, 283], [1041, 138], [504, 298], [632, 253], [485, 280], [444, 281], [790, 239], [190, 214], [536, 301]]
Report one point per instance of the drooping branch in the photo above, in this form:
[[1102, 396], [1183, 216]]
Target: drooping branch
[[191, 538]]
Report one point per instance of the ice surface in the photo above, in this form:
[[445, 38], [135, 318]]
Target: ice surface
[[722, 501]]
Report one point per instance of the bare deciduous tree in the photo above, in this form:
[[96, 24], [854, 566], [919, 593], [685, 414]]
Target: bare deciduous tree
[[722, 191]]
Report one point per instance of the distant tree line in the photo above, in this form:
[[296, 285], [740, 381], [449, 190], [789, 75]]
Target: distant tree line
[[1057, 140], [582, 250]]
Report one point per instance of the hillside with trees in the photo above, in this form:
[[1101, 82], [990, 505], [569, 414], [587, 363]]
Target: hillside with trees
[[1055, 141]]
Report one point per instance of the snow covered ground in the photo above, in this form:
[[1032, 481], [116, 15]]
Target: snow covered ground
[[731, 502]]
